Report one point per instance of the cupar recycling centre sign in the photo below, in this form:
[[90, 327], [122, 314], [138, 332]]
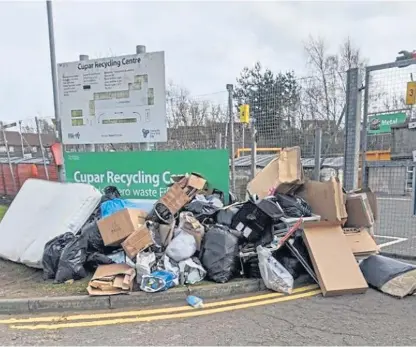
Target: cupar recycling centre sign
[[381, 124], [146, 175]]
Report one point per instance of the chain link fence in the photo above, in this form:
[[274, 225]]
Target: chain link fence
[[385, 128]]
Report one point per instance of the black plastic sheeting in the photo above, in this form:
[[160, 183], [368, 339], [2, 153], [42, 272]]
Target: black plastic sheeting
[[378, 270], [219, 253]]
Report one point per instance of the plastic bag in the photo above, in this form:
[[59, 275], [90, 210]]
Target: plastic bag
[[219, 254], [157, 281], [121, 258], [145, 261], [274, 275], [52, 253], [96, 259], [191, 271], [204, 207], [181, 247], [92, 234], [189, 224], [112, 206], [293, 206], [73, 258], [111, 192]]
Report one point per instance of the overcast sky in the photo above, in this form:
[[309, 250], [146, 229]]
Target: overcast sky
[[206, 44]]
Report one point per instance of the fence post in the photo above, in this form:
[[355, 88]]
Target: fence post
[[318, 149], [42, 148], [230, 89], [253, 148], [352, 130], [8, 157]]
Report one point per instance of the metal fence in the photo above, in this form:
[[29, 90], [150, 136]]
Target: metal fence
[[392, 180]]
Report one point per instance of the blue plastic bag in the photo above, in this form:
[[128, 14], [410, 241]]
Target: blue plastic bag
[[157, 281], [112, 206]]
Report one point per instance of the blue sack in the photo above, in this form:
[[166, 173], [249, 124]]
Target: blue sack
[[158, 281], [112, 206]]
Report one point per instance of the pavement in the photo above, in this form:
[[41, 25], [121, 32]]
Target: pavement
[[368, 319], [395, 229]]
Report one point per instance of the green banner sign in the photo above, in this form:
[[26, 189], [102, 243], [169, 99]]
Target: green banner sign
[[381, 123], [146, 175]]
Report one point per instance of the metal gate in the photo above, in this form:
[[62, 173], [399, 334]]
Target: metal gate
[[386, 118]]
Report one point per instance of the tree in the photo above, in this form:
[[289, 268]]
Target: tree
[[324, 91], [272, 98]]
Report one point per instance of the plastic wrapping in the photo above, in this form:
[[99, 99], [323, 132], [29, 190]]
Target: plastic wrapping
[[111, 206], [219, 254], [293, 206], [52, 254], [274, 275]]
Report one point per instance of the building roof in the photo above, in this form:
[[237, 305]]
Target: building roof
[[308, 163], [31, 139]]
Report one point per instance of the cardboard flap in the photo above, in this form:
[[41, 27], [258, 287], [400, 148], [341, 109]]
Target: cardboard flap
[[137, 241], [290, 166], [112, 279], [361, 242], [332, 259], [111, 270]]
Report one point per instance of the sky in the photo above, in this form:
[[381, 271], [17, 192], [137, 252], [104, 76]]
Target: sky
[[206, 44]]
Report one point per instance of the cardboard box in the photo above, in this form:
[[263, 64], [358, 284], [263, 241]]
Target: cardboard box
[[359, 211], [112, 279], [372, 199], [361, 242], [334, 264], [326, 199], [115, 228], [138, 241], [283, 174]]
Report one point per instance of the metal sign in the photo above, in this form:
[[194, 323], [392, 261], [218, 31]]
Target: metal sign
[[411, 93], [113, 100], [245, 114]]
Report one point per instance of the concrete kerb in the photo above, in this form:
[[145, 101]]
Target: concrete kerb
[[133, 300]]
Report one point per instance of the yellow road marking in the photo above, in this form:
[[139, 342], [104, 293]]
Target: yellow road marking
[[194, 313], [57, 319]]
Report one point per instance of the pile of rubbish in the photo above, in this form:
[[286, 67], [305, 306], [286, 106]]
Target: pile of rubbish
[[287, 227]]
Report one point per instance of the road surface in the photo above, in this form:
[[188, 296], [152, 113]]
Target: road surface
[[396, 226], [368, 319]]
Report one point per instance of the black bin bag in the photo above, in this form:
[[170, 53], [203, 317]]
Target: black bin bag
[[52, 253], [293, 206], [73, 258], [219, 253]]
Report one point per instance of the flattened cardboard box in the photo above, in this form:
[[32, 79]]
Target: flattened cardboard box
[[115, 228], [326, 199], [112, 279], [372, 199], [360, 241], [334, 264], [137, 241], [359, 211], [283, 174]]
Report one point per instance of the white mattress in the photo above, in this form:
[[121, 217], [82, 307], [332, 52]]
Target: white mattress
[[40, 211]]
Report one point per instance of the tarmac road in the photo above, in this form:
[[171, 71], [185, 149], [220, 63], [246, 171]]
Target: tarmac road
[[397, 223], [369, 319]]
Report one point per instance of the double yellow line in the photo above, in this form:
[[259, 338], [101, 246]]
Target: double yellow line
[[113, 318]]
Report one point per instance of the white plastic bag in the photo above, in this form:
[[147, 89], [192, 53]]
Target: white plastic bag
[[191, 271], [144, 263], [181, 247], [274, 275]]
